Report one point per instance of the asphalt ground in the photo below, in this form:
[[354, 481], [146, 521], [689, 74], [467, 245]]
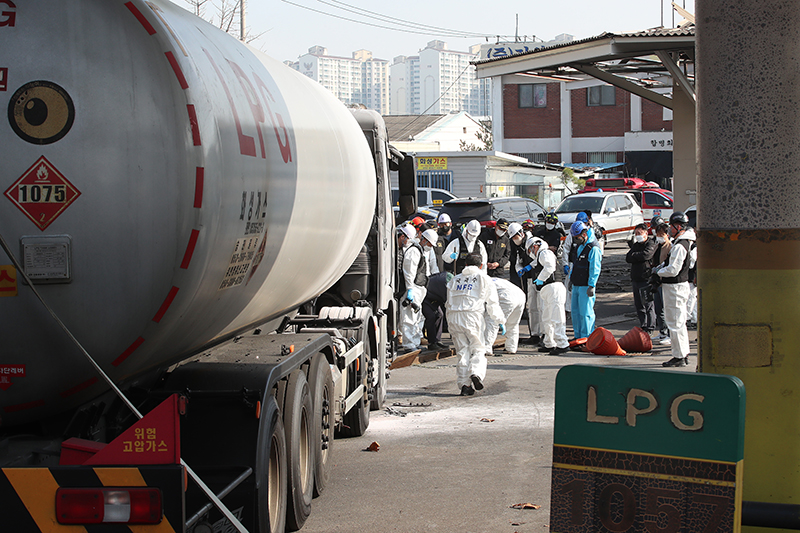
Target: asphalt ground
[[458, 464]]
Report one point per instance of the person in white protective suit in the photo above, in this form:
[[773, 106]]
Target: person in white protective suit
[[527, 269], [428, 240], [512, 302], [675, 286], [552, 297], [470, 294], [462, 245], [413, 282]]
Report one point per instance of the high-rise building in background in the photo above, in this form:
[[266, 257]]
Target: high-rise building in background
[[360, 79], [436, 81]]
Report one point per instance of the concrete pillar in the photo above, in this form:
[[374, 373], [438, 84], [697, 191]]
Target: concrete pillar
[[748, 138], [498, 128], [684, 155], [566, 122], [636, 112]]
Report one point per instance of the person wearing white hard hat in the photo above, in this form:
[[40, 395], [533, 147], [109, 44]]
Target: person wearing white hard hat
[[462, 245], [512, 302], [470, 294], [526, 270], [412, 286], [552, 297], [428, 241], [517, 237]]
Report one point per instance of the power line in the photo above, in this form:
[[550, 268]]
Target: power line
[[376, 25], [401, 22]]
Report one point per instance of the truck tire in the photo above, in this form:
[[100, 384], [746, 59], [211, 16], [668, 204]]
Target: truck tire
[[320, 381], [297, 417], [378, 366], [271, 470], [356, 421]]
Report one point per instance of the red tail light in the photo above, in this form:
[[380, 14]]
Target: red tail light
[[109, 505]]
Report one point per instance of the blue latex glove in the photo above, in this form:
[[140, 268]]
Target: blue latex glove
[[502, 329], [566, 270], [453, 255], [410, 295], [524, 269], [539, 282]]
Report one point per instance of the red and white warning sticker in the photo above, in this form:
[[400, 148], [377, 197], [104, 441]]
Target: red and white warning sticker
[[42, 193]]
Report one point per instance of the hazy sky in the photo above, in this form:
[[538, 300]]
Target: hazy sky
[[288, 30]]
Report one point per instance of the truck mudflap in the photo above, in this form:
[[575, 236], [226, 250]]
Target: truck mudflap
[[29, 496]]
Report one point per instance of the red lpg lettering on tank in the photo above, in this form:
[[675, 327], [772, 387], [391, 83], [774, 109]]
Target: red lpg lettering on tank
[[284, 144], [247, 145], [7, 16]]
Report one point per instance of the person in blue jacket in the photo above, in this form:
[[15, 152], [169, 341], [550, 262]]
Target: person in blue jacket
[[586, 259]]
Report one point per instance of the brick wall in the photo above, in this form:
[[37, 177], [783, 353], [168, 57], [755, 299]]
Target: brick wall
[[531, 122], [600, 121], [653, 117]]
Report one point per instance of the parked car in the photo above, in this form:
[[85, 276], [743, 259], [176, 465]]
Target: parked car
[[654, 202], [488, 210], [426, 196], [426, 213], [617, 213]]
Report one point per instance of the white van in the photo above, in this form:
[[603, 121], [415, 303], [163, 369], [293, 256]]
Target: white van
[[426, 196]]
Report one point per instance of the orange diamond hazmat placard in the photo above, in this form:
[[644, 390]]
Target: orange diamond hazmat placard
[[42, 193]]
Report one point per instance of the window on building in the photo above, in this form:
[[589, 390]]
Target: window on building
[[437, 179], [535, 157], [601, 157], [533, 95], [601, 95]]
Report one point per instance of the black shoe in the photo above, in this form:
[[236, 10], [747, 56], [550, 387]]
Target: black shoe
[[440, 346], [497, 354], [544, 349], [676, 361], [466, 390], [477, 382], [532, 340], [559, 351]]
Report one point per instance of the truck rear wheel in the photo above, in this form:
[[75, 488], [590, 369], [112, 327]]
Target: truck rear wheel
[[297, 417], [320, 381], [356, 421], [271, 470]]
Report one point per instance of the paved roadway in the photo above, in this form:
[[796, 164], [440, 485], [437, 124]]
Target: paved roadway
[[453, 464]]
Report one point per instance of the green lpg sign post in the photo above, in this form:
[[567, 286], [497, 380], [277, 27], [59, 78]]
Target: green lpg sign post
[[640, 450]]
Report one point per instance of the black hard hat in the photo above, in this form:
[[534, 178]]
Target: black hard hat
[[656, 221], [678, 218]]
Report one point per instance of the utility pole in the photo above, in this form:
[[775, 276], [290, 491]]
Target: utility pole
[[242, 27]]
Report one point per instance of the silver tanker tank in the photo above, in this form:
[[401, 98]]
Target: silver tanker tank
[[166, 187]]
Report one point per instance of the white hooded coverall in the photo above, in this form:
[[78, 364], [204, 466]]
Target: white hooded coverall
[[676, 295], [512, 303], [469, 295], [552, 298], [411, 321], [455, 248]]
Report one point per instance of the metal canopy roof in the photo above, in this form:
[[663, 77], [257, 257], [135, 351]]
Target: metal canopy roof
[[636, 62]]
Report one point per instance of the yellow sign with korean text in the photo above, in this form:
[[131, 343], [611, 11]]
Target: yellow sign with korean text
[[431, 163]]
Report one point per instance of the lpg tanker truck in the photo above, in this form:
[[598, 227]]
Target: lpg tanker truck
[[197, 273]]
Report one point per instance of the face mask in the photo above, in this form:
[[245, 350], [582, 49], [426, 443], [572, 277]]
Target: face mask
[[639, 238], [443, 230], [500, 232], [549, 226], [660, 240], [517, 239]]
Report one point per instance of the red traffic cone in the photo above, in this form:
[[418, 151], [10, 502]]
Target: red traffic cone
[[636, 340], [602, 342]]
